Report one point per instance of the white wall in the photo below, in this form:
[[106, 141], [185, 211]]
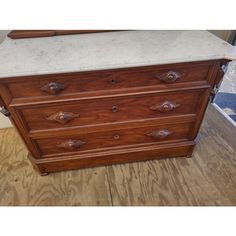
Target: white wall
[[224, 34], [4, 121]]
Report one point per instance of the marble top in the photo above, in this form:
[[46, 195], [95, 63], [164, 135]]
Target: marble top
[[74, 53]]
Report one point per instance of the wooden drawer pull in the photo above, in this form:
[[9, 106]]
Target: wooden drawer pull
[[71, 145], [165, 106], [53, 88], [160, 134], [169, 77], [62, 117], [4, 111]]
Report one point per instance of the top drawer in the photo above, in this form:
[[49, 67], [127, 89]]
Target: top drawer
[[55, 86]]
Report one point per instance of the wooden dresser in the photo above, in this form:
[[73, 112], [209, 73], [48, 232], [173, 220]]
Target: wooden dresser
[[87, 100]]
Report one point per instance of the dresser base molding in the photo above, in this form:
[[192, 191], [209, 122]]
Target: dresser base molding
[[118, 156]]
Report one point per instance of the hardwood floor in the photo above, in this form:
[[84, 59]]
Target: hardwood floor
[[209, 178]]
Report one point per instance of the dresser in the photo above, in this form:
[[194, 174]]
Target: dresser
[[82, 101]]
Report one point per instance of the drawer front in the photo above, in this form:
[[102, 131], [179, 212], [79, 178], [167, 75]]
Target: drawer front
[[92, 112], [54, 86], [93, 141]]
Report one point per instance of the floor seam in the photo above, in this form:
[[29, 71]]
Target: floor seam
[[109, 187]]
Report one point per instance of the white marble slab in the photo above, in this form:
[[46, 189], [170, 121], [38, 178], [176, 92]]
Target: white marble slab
[[85, 52]]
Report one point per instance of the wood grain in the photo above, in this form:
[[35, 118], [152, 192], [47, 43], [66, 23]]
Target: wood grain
[[227, 129], [30, 87], [20, 185], [19, 34], [209, 178], [115, 138], [106, 98], [101, 111], [206, 179]]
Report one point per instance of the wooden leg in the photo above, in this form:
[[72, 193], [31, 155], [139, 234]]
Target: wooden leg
[[44, 173], [38, 170], [189, 156]]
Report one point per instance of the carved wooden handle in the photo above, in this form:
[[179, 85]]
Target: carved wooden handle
[[218, 80], [62, 117], [165, 106], [71, 145], [169, 77], [4, 111], [160, 134], [53, 88]]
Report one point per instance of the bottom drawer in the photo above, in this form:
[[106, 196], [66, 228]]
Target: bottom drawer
[[96, 141], [115, 156]]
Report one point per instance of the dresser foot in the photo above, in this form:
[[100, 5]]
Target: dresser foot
[[189, 156], [44, 173], [36, 167]]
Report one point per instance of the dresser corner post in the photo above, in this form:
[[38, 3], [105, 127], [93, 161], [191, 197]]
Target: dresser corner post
[[190, 154], [191, 148], [221, 71]]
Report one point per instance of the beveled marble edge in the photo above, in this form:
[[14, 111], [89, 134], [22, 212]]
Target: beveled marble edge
[[105, 67], [174, 57]]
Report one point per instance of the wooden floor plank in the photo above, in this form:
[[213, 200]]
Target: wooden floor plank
[[175, 182], [206, 179], [209, 178], [21, 185], [217, 163]]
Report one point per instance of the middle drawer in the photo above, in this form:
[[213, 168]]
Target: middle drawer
[[110, 110]]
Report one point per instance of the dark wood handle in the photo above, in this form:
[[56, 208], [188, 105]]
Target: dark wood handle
[[71, 145], [219, 77], [160, 134], [53, 88], [165, 106], [62, 117], [170, 77], [4, 111]]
